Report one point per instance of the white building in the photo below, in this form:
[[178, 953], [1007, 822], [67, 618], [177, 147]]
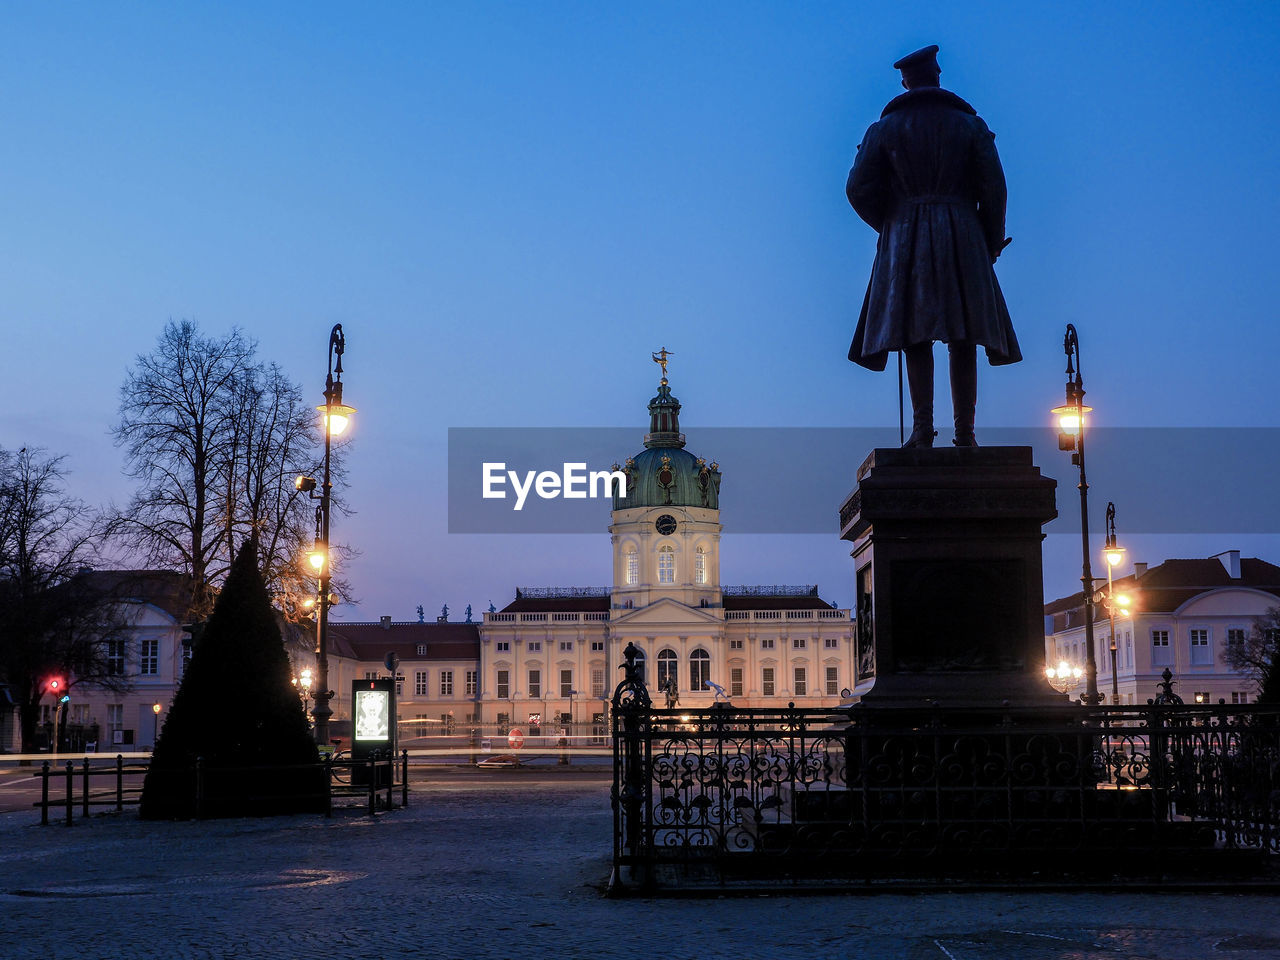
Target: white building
[[1183, 615]]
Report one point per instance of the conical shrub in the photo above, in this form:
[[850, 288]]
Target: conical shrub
[[238, 716]]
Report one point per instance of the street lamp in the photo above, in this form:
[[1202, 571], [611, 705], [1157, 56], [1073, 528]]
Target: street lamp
[[1063, 677], [1113, 553], [335, 416], [1071, 437]]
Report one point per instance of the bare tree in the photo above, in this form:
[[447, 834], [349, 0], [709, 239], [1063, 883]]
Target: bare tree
[[55, 618], [215, 439], [1258, 655]]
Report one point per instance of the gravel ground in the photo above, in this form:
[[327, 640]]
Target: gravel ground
[[478, 868]]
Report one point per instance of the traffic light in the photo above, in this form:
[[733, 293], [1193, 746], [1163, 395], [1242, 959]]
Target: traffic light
[[58, 687]]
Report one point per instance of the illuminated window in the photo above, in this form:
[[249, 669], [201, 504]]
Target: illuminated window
[[633, 567], [700, 567], [666, 565], [667, 661], [699, 669], [597, 681]]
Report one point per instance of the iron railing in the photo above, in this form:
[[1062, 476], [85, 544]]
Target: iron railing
[[796, 795]]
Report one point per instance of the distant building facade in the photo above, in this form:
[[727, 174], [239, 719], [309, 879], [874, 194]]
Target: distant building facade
[[1183, 616]]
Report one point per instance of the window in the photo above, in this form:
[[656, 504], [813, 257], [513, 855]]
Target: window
[[1235, 637], [640, 665], [766, 643], [186, 658], [535, 646], [566, 683], [446, 683], [597, 646], [149, 659], [1202, 696], [422, 649], [1239, 696], [667, 668], [700, 567], [735, 681], [504, 684], [699, 669], [371, 674], [633, 567], [115, 658], [831, 643], [80, 713], [1200, 652], [566, 646], [399, 684], [1161, 655], [735, 644], [798, 643], [666, 565], [597, 681], [420, 688], [833, 682], [502, 646], [535, 684], [115, 716], [471, 683], [766, 682], [801, 687], [1128, 649], [504, 720]]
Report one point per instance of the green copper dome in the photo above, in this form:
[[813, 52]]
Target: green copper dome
[[664, 473]]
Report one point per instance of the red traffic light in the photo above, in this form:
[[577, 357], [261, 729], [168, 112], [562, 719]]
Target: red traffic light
[[55, 685]]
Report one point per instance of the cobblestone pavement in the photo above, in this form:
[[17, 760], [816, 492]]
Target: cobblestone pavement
[[476, 869]]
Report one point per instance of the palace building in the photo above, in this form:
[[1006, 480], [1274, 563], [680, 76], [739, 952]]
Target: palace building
[[552, 656]]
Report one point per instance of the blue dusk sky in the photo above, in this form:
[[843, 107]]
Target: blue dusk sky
[[509, 206]]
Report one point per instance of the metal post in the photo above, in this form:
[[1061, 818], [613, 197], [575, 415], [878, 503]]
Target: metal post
[[332, 397], [70, 791], [44, 794], [84, 800], [1075, 393], [328, 784], [404, 778], [373, 785], [119, 783]]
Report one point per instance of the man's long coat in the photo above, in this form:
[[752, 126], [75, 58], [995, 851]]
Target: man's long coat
[[928, 179]]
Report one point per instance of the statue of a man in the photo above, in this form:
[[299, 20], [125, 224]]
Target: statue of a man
[[928, 179]]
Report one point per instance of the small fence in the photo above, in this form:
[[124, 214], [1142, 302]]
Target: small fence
[[373, 782], [791, 795]]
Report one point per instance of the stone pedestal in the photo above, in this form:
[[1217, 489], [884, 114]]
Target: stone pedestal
[[950, 600]]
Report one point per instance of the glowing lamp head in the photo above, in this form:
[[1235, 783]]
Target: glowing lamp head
[[1123, 601], [1113, 555], [318, 557], [155, 708], [305, 679], [1070, 417], [336, 418]]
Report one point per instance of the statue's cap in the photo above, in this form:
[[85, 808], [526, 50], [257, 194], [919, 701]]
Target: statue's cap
[[922, 63]]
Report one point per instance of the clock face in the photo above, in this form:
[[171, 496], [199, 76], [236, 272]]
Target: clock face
[[666, 524]]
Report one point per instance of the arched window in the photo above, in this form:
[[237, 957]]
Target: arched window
[[633, 567], [640, 664], [700, 566], [666, 565], [699, 670], [667, 661]]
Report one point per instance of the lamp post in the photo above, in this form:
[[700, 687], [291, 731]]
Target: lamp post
[[1114, 555], [1071, 437], [335, 416], [1063, 677]]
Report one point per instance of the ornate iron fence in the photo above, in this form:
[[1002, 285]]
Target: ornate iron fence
[[799, 795]]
